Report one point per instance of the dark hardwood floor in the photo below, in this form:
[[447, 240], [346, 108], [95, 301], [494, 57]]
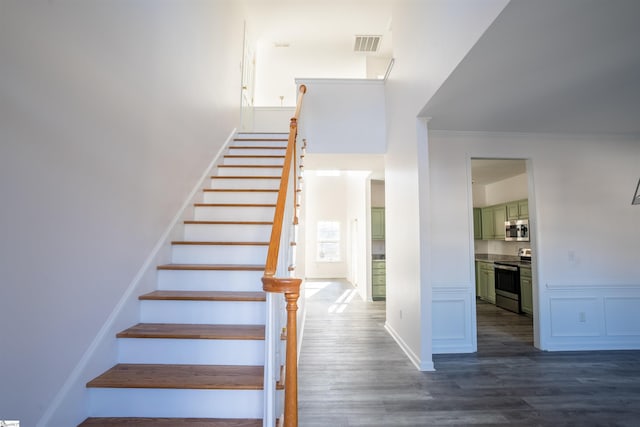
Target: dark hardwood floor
[[352, 373]]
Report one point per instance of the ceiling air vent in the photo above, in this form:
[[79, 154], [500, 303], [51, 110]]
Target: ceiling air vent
[[368, 44]]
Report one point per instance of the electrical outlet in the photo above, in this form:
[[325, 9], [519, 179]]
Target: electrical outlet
[[401, 314], [582, 317]]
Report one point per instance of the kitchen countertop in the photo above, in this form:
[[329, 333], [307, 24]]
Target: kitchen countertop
[[510, 259]]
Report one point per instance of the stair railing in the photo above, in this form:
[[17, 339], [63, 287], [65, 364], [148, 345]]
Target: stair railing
[[283, 291]]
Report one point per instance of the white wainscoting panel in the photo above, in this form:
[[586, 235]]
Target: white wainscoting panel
[[593, 316], [453, 316], [622, 316], [575, 317]]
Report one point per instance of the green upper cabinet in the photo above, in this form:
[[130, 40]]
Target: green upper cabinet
[[518, 210], [499, 217], [377, 223], [523, 209], [512, 211], [487, 223], [477, 223], [493, 218]]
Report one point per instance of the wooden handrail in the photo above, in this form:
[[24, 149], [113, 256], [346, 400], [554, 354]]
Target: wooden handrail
[[276, 232], [288, 286]]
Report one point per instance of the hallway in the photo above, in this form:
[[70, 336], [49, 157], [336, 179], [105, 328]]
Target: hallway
[[352, 373]]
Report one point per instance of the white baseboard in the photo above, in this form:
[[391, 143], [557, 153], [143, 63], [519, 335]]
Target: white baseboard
[[421, 365]]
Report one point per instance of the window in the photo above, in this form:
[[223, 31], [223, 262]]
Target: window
[[328, 241]]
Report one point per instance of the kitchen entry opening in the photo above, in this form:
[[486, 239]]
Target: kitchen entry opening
[[502, 252]]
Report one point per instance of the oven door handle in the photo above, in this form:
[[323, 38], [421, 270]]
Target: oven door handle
[[505, 267]]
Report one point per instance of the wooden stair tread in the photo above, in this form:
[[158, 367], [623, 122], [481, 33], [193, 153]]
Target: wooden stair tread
[[252, 156], [201, 377], [252, 166], [204, 296], [212, 267], [240, 190], [196, 243], [234, 205], [170, 422], [244, 177], [258, 147], [260, 139], [193, 222], [194, 331]]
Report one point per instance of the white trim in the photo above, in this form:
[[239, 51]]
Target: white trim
[[419, 364], [566, 286], [341, 81], [105, 331]]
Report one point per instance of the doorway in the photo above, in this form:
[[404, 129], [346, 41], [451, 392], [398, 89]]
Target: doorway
[[500, 194]]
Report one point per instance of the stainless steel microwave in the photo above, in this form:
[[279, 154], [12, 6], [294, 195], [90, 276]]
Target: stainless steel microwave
[[516, 231]]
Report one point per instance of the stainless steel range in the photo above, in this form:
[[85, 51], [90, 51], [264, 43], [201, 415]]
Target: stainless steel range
[[507, 281], [507, 286]]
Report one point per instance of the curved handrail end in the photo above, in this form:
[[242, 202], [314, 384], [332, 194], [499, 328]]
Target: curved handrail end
[[287, 285]]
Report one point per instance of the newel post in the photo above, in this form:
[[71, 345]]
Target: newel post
[[291, 289]]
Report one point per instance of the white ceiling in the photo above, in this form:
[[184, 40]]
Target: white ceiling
[[487, 171], [566, 66], [322, 25]]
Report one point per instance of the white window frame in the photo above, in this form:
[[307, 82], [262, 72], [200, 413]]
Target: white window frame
[[330, 239]]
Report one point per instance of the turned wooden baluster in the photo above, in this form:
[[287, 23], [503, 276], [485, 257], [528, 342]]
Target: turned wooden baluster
[[291, 289]]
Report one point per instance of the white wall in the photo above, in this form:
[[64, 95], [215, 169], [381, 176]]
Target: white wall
[[507, 190], [423, 61], [109, 112], [344, 116], [377, 193], [325, 199], [585, 234], [277, 68], [359, 196], [272, 119]]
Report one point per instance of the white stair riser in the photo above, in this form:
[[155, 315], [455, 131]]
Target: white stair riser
[[203, 312], [169, 403], [245, 184], [210, 280], [227, 232], [257, 151], [248, 160], [269, 140], [191, 352], [218, 254], [240, 197], [233, 213], [250, 171], [264, 135]]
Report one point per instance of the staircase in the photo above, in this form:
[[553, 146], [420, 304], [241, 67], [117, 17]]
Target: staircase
[[197, 356]]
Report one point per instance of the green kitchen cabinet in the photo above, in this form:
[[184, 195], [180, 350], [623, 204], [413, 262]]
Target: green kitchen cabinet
[[488, 225], [378, 280], [492, 220], [377, 223], [499, 217], [526, 290], [477, 223], [486, 287], [518, 209], [523, 209], [512, 211]]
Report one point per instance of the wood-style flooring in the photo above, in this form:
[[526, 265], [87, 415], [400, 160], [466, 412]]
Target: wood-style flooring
[[352, 373]]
